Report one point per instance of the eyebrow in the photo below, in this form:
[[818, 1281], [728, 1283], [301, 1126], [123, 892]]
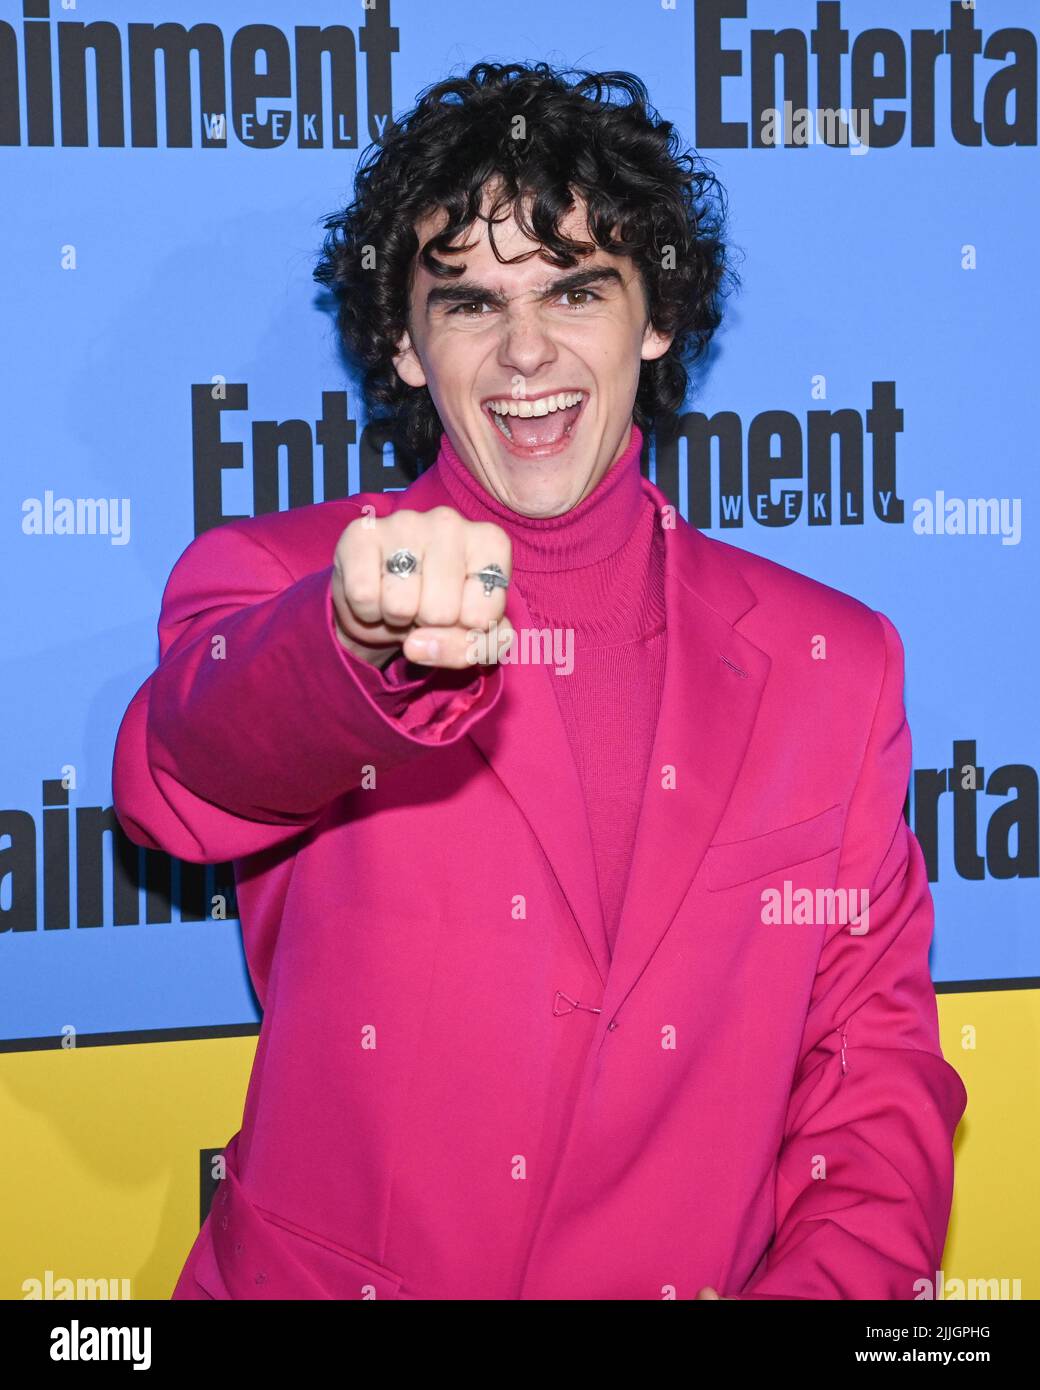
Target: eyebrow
[[470, 291]]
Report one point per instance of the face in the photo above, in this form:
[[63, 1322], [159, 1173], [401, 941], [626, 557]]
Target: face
[[553, 353]]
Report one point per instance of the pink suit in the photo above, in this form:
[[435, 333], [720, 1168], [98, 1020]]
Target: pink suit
[[457, 1092]]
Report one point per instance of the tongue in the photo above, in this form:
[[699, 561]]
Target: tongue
[[538, 431]]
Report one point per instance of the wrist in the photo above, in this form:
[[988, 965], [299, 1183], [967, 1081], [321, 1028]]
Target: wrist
[[372, 656]]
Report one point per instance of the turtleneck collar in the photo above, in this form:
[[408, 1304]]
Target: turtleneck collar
[[597, 527]]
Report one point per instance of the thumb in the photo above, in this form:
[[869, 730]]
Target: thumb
[[458, 647]]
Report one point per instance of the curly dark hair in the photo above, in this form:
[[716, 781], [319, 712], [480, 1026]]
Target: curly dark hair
[[623, 160]]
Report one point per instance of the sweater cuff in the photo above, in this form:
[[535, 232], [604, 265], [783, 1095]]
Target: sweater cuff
[[432, 703], [395, 683]]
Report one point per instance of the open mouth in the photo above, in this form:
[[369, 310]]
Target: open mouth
[[539, 427]]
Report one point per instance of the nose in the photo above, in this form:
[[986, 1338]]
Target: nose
[[526, 344]]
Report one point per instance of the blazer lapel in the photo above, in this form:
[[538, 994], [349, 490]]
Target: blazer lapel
[[525, 742], [714, 678]]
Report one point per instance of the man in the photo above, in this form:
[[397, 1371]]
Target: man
[[562, 994]]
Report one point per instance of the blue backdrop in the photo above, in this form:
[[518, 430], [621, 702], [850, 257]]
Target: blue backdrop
[[143, 268]]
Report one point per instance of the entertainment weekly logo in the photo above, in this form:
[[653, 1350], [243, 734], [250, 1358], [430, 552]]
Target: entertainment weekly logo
[[828, 466], [265, 85], [96, 83], [69, 866], [971, 824]]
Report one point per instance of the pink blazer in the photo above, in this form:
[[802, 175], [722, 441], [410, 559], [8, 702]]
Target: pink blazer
[[457, 1093]]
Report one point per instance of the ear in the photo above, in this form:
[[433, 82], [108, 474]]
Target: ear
[[655, 344], [406, 362]]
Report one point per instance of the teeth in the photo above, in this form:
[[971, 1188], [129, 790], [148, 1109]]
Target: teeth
[[545, 405]]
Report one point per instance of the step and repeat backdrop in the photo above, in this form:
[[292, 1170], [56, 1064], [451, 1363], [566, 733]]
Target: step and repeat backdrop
[[867, 416]]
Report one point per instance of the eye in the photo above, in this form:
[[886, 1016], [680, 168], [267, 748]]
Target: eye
[[591, 293], [463, 309]]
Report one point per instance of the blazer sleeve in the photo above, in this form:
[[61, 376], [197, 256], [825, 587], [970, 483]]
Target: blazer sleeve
[[865, 1175], [257, 717]]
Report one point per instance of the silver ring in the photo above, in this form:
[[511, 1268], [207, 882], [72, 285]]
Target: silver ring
[[402, 563], [492, 577]]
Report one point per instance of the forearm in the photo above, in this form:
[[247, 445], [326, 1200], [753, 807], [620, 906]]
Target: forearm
[[865, 1171], [257, 717]]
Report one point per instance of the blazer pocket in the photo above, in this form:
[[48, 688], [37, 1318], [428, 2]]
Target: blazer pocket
[[257, 1254], [740, 861], [344, 1273]]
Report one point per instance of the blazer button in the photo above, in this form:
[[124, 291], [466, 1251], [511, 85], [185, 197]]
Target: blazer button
[[611, 1025], [261, 1278]]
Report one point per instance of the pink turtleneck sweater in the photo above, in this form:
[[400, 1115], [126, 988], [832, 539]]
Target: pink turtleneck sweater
[[599, 570]]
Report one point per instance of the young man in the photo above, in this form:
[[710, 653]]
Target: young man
[[563, 996]]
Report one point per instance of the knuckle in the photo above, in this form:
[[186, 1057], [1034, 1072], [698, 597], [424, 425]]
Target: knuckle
[[398, 605], [362, 595], [437, 613], [358, 526], [487, 531]]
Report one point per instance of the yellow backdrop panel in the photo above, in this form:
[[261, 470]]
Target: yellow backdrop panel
[[103, 1146]]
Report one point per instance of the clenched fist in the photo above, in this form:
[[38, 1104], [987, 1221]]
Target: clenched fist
[[439, 615]]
